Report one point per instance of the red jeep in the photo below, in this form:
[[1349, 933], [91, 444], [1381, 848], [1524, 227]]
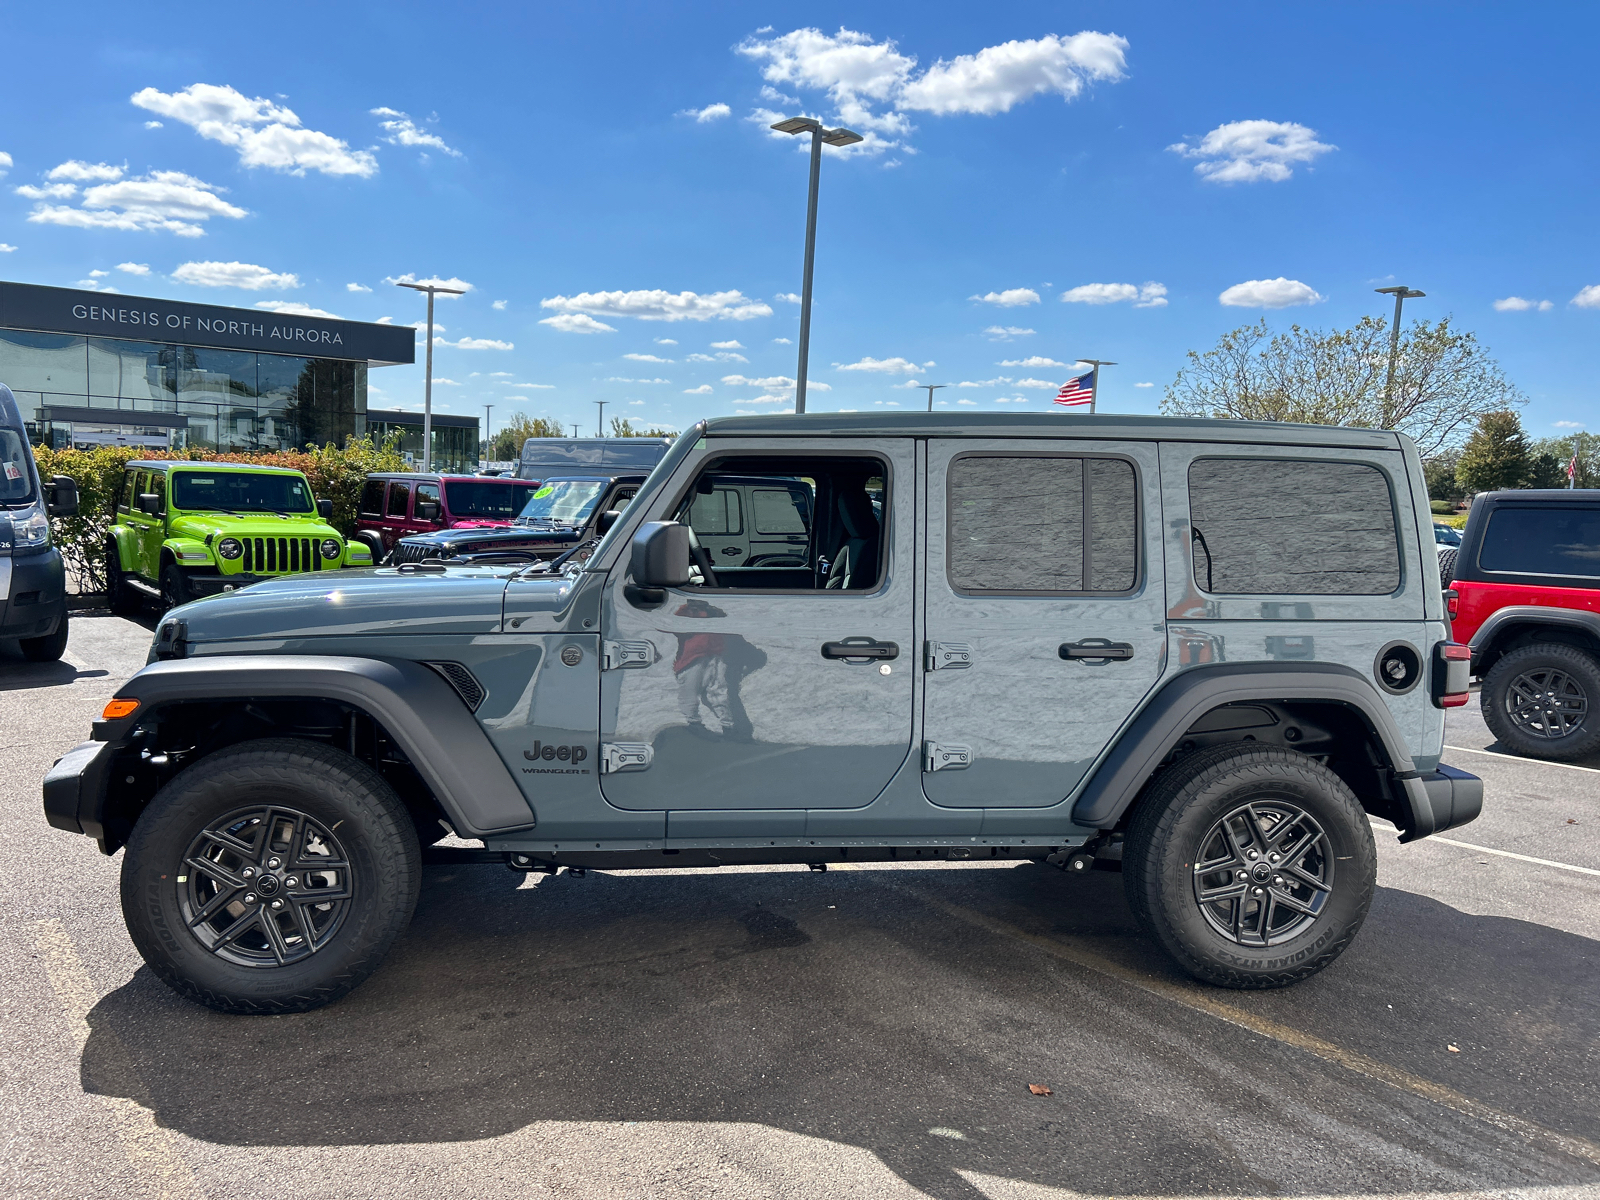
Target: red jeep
[[1527, 601], [393, 506]]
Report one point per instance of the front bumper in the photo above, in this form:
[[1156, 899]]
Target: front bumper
[[1442, 799], [37, 603], [75, 790]]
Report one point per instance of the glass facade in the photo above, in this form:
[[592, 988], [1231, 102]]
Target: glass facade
[[86, 391], [455, 439]]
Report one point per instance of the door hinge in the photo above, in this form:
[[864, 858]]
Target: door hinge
[[628, 654], [617, 757], [947, 757], [946, 656]]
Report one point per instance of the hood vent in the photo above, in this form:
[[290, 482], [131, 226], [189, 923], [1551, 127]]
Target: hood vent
[[464, 681]]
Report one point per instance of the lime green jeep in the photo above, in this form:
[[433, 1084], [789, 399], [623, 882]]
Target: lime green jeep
[[183, 530]]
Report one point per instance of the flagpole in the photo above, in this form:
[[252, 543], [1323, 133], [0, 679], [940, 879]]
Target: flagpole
[[1094, 386]]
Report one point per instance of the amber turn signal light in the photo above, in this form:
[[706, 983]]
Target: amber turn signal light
[[117, 709]]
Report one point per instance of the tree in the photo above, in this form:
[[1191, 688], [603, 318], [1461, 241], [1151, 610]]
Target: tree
[[623, 427], [1444, 380], [1439, 472], [519, 427], [1585, 445], [1496, 455]]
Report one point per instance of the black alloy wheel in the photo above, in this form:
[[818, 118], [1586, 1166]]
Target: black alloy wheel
[[270, 877], [1229, 863], [120, 598], [1540, 701], [175, 589]]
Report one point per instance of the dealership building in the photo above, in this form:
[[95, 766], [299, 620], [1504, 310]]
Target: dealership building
[[95, 368]]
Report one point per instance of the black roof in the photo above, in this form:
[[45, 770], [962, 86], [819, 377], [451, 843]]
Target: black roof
[[437, 476]]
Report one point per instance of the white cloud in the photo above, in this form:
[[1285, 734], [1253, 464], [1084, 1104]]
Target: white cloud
[[620, 379], [468, 343], [1034, 360], [5, 163], [153, 125], [499, 305], [657, 305], [293, 308], [577, 323], [1005, 333], [82, 172], [884, 366], [532, 387], [873, 85], [653, 358], [264, 134], [403, 131], [1518, 304], [459, 285], [1270, 293], [93, 283], [161, 200], [357, 287], [1589, 297], [733, 345], [1036, 383], [782, 342], [50, 191], [769, 382], [1010, 298], [1150, 295], [7, 248], [788, 297], [719, 356], [234, 274], [967, 402], [1250, 151], [98, 274], [711, 112], [446, 382], [1567, 424], [995, 382], [665, 341], [500, 375], [704, 389], [1144, 385]]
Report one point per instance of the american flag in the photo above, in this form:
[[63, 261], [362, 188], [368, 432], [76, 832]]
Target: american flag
[[1572, 468], [1077, 391]]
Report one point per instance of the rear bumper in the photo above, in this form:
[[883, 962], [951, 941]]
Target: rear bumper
[[1442, 799]]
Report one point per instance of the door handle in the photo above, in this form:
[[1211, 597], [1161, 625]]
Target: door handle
[[1096, 649], [730, 550], [860, 647]]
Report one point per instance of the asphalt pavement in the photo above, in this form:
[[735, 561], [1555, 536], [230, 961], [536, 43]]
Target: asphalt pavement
[[868, 1032]]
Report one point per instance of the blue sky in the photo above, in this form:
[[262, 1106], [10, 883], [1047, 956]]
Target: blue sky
[[628, 240]]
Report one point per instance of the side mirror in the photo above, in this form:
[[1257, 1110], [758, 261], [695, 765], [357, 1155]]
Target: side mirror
[[325, 509], [427, 510], [150, 504], [604, 522], [660, 560], [64, 502]]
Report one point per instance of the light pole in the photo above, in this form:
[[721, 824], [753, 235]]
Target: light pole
[[575, 428], [600, 429], [1401, 295], [819, 135], [931, 388], [427, 384], [1094, 391], [488, 441]]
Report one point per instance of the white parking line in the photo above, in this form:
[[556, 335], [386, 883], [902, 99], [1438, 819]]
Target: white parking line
[[1538, 762], [1543, 862]]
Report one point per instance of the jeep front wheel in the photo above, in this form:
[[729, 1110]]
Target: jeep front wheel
[[270, 877], [175, 589], [120, 598], [1540, 701], [1252, 866]]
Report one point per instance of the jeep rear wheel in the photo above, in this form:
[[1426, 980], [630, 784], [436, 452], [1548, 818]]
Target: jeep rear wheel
[[270, 877], [1252, 866], [1541, 701]]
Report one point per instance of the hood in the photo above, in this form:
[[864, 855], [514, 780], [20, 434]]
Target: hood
[[347, 603], [511, 536], [203, 524]]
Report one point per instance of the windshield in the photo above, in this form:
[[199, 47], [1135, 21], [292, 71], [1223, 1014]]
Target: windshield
[[1444, 535], [564, 501], [490, 501], [239, 491], [16, 481]]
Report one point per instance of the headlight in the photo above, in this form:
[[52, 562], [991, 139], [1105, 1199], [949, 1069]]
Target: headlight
[[230, 548], [30, 529], [331, 548]]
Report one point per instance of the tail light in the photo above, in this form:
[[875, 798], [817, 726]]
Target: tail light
[[1452, 603], [1452, 674]]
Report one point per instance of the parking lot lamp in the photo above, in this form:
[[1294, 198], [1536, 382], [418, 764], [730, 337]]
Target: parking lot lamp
[[427, 381], [488, 441], [1401, 294], [931, 388], [1094, 389], [819, 135], [600, 429]]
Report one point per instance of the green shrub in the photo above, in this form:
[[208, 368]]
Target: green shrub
[[336, 473], [1442, 507]]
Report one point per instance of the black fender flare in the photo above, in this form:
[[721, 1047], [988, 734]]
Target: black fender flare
[[1183, 701], [417, 708], [1529, 614]]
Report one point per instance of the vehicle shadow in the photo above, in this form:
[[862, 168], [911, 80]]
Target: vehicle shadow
[[848, 1006]]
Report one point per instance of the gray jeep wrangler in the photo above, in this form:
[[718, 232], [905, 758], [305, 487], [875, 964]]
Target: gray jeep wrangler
[[1206, 650]]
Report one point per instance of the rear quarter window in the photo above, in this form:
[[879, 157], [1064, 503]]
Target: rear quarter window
[[372, 499], [1278, 526], [1543, 541]]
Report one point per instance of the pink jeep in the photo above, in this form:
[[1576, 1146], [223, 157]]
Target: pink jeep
[[393, 506]]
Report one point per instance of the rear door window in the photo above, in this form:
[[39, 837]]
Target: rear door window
[[399, 499], [1282, 526], [372, 499]]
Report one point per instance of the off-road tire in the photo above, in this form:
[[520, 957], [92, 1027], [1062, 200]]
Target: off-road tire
[[120, 598], [1176, 816], [334, 790], [1447, 565], [1579, 666], [175, 589], [48, 648]]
